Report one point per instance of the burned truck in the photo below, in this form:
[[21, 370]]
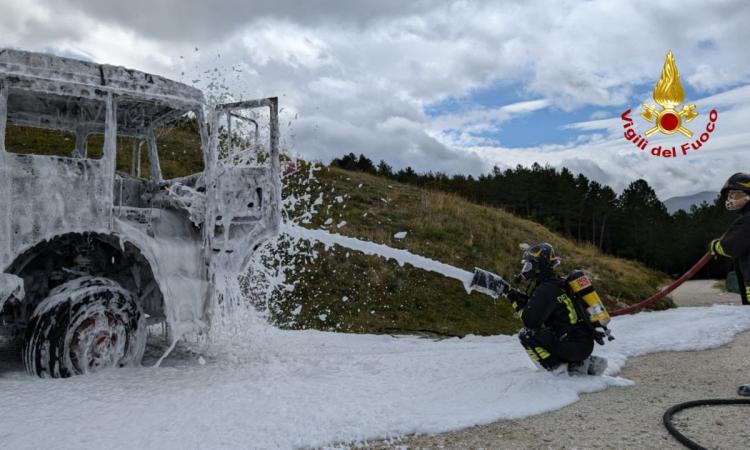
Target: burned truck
[[97, 241]]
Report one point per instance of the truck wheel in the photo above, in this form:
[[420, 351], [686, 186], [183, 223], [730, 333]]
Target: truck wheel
[[84, 325]]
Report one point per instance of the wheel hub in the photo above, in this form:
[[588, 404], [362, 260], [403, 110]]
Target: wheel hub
[[98, 342]]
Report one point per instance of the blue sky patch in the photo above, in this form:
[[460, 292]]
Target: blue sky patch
[[543, 126]]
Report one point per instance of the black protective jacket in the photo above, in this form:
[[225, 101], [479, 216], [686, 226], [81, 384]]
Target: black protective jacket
[[548, 305], [736, 244]]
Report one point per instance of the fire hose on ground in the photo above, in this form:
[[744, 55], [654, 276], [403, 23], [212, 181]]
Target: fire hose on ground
[[684, 440], [669, 414], [664, 292]]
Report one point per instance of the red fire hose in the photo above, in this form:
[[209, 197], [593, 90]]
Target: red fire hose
[[661, 294], [673, 410]]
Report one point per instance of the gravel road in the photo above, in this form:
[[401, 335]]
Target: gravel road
[[631, 417]]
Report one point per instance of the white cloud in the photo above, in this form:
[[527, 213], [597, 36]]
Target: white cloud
[[38, 26], [709, 78], [359, 74], [486, 119], [19, 17], [612, 124], [601, 114], [285, 44], [613, 160]]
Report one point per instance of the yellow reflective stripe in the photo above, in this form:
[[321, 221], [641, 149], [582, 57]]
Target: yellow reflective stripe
[[544, 354], [572, 315], [532, 354], [720, 249]]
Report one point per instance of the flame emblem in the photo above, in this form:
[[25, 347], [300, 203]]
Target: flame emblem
[[669, 94]]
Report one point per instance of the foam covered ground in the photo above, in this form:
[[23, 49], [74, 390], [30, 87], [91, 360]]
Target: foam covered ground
[[305, 388]]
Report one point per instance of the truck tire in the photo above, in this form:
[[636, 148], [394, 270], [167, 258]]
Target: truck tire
[[84, 325]]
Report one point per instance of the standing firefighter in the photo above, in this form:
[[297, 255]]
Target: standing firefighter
[[558, 332], [735, 243]]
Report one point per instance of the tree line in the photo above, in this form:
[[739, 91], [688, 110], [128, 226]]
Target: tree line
[[634, 224]]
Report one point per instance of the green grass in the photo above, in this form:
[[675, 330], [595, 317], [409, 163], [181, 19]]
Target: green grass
[[179, 148], [381, 296], [347, 291]]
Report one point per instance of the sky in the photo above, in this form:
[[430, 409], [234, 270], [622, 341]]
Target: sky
[[449, 86]]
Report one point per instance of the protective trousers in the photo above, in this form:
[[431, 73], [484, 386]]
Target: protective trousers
[[744, 288], [550, 350]]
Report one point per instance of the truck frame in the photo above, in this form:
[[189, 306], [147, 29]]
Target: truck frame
[[90, 256]]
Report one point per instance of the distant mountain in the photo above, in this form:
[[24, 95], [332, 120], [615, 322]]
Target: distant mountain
[[675, 204]]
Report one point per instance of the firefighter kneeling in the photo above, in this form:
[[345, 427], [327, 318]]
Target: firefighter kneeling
[[562, 317]]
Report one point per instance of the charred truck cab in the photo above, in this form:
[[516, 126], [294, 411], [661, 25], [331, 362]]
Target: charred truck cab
[[91, 254]]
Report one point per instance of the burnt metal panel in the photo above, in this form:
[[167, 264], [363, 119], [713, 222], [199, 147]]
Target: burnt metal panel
[[58, 75], [46, 196]]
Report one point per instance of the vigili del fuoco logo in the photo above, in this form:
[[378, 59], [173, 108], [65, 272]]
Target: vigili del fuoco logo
[[668, 118]]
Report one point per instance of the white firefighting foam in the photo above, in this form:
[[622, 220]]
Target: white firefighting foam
[[310, 389]]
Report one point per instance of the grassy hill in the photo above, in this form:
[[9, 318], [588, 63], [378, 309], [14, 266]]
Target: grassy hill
[[347, 291]]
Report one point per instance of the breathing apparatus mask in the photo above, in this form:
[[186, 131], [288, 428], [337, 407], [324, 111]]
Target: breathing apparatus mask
[[536, 259], [736, 200], [737, 190], [526, 273]]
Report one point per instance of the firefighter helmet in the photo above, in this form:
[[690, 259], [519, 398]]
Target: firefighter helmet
[[538, 259], [737, 182]]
